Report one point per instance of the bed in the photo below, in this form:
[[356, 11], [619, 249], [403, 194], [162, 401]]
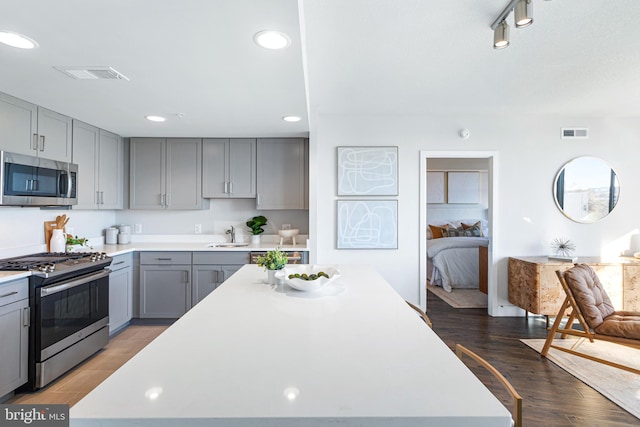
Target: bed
[[452, 261]]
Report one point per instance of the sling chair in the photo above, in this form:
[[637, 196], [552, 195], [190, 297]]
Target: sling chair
[[516, 414], [422, 314], [591, 306]]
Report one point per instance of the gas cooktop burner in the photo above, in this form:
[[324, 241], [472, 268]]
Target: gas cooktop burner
[[48, 263]]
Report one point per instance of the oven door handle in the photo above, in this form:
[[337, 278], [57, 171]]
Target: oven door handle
[[53, 289]]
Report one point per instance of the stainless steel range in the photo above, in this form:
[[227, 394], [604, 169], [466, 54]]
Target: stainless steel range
[[69, 310]]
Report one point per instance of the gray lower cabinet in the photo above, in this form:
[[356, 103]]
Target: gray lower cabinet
[[165, 284], [281, 173], [14, 334], [120, 292], [210, 269]]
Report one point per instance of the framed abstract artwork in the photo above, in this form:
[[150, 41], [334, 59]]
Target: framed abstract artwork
[[367, 171], [367, 224]]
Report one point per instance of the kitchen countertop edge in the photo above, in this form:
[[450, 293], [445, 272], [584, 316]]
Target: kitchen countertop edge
[[114, 250]]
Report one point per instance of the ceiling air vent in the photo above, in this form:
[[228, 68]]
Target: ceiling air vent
[[92, 73], [575, 133]]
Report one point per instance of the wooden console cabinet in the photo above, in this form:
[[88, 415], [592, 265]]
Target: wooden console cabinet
[[534, 287]]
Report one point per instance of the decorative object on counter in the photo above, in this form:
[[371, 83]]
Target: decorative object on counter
[[76, 244], [60, 222], [272, 261], [57, 243], [111, 236], [124, 237], [563, 249], [286, 234], [255, 224], [308, 278]]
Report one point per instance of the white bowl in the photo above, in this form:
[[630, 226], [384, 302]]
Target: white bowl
[[288, 233], [308, 285]]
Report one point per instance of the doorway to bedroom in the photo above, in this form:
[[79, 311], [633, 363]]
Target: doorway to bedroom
[[457, 217]]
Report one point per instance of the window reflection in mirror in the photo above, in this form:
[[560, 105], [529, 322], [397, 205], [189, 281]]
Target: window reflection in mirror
[[586, 189]]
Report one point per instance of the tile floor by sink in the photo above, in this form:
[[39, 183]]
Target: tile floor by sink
[[75, 384]]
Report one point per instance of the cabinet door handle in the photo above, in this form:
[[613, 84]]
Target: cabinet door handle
[[34, 142], [9, 294], [42, 140], [26, 316], [117, 263], [164, 259], [167, 200], [97, 197], [226, 187], [258, 200], [162, 200], [231, 188]]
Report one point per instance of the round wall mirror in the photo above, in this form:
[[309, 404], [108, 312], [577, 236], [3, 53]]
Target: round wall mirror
[[586, 189]]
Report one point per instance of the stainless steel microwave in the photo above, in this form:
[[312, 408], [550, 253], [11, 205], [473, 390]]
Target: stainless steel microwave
[[34, 181]]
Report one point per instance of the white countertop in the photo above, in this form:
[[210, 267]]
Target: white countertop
[[170, 245], [189, 247], [252, 354]]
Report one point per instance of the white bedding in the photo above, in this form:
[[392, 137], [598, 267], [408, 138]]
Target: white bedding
[[454, 261]]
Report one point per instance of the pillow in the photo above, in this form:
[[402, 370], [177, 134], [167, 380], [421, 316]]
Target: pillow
[[473, 231], [438, 231], [477, 225], [455, 232]]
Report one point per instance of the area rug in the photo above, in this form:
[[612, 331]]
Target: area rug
[[460, 298], [621, 387]]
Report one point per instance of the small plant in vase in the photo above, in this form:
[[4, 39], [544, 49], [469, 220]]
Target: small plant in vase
[[272, 261], [75, 243], [255, 224]]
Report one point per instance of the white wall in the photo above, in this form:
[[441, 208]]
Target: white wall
[[530, 152], [215, 220], [22, 229]]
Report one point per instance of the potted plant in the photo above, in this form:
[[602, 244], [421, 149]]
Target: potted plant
[[272, 261], [255, 224], [75, 243]]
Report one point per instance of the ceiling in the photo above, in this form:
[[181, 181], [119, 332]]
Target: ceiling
[[197, 59]]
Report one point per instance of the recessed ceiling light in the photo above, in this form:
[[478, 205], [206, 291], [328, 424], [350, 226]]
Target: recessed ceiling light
[[270, 39], [155, 118], [17, 40], [291, 118]]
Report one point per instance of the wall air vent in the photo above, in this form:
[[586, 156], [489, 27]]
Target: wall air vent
[[575, 133], [92, 73]]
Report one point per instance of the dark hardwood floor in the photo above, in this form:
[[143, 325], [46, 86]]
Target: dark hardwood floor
[[551, 396]]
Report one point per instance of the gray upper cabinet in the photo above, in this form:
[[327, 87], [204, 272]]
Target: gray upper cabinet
[[111, 170], [54, 135], [166, 173], [281, 173], [99, 156], [229, 168], [18, 125], [26, 128]]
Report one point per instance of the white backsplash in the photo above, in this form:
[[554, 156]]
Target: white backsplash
[[221, 214], [22, 229]]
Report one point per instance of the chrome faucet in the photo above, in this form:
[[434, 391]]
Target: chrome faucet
[[232, 232]]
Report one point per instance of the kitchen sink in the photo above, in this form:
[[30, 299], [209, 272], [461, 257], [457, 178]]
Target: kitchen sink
[[227, 245]]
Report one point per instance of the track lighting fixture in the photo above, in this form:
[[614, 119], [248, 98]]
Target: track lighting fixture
[[523, 13], [523, 17], [501, 36]]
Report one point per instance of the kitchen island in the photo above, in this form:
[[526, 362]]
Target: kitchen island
[[253, 354]]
